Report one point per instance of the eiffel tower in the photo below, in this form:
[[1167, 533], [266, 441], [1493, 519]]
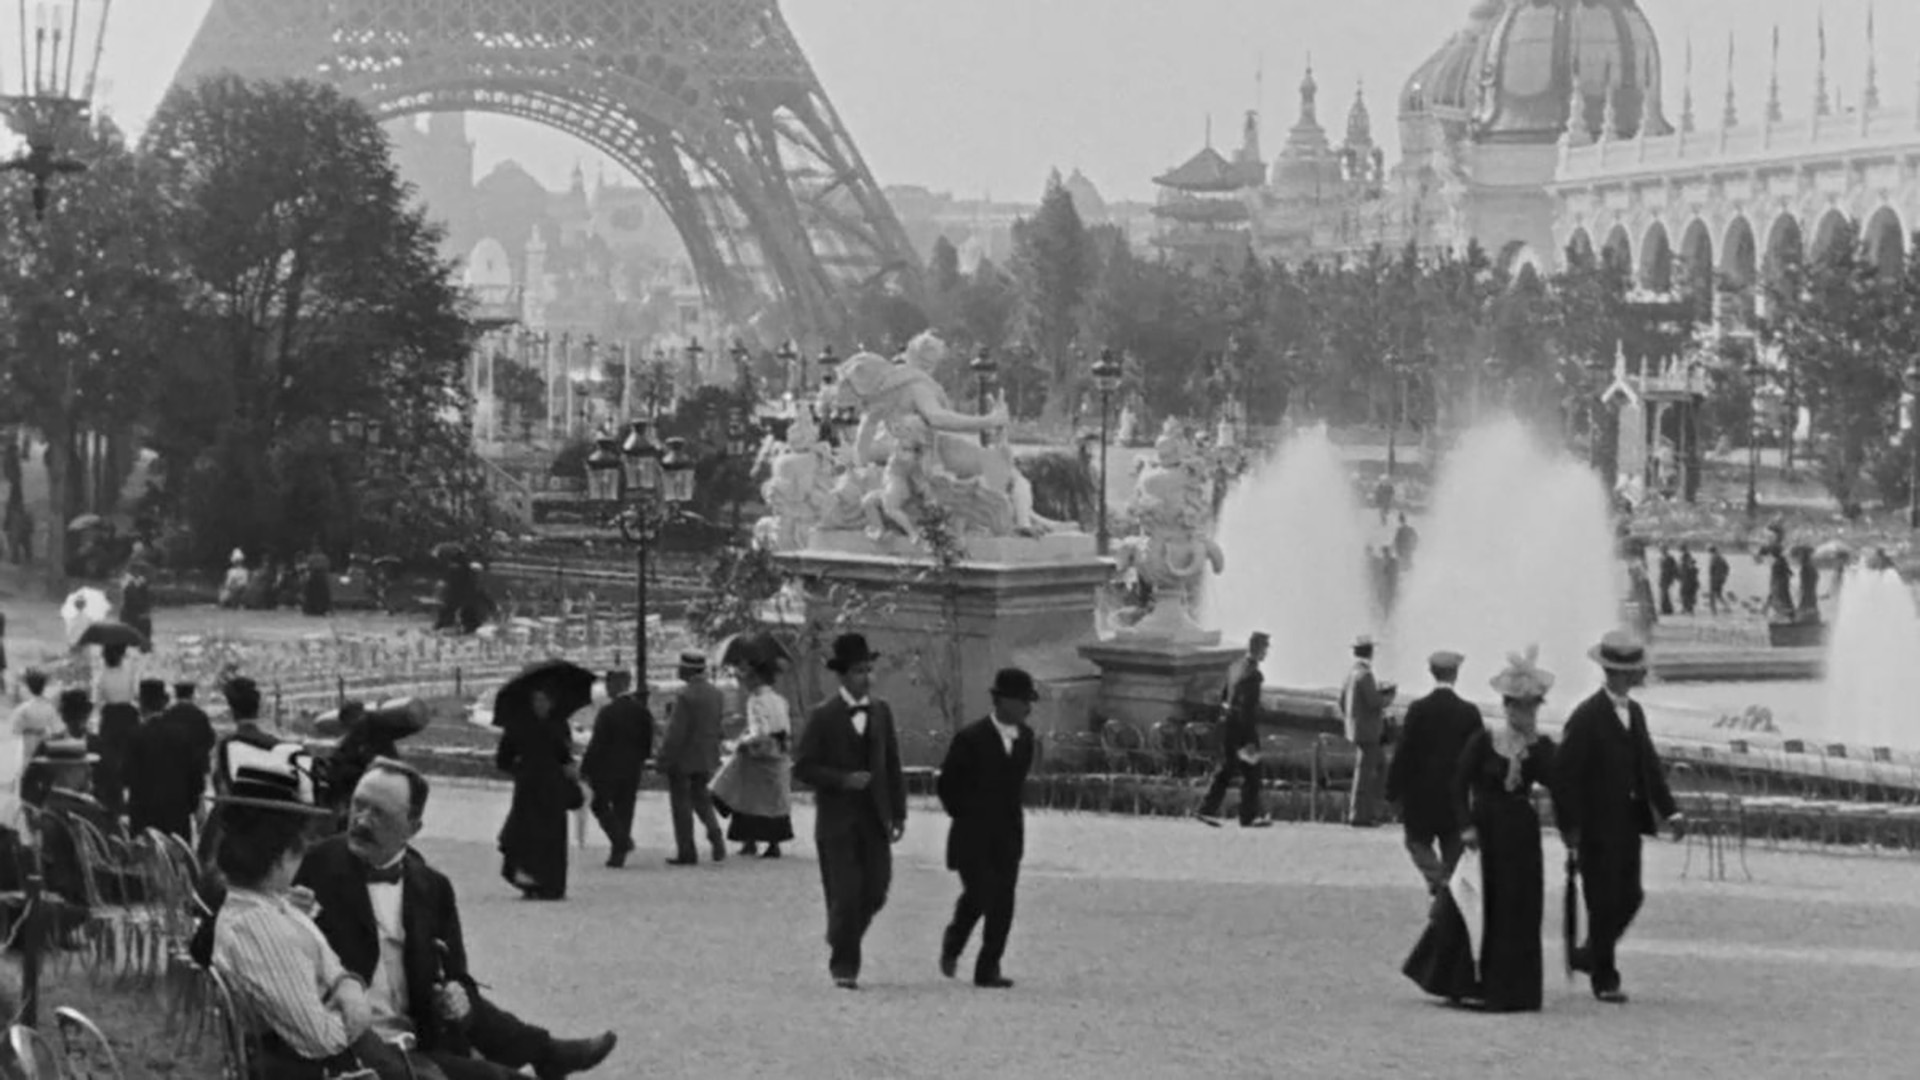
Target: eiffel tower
[[711, 103]]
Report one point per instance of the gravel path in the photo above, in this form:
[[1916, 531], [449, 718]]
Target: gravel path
[[1154, 948]]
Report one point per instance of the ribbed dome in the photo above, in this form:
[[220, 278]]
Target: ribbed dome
[[1511, 70]]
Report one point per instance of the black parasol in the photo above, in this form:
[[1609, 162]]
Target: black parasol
[[113, 633], [751, 647], [1570, 914], [568, 684]]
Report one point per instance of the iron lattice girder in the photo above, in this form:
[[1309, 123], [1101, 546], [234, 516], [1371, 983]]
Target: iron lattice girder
[[710, 102]]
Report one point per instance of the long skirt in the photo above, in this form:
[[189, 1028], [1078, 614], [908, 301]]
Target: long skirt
[[533, 842], [1510, 968], [753, 789]]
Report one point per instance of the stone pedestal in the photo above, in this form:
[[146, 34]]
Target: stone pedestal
[[1146, 682], [943, 633]]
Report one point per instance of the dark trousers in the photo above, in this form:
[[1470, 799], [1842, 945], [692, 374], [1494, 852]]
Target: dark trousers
[[856, 869], [1437, 868], [613, 809], [688, 796], [987, 890], [494, 1044], [1610, 881], [1249, 773]]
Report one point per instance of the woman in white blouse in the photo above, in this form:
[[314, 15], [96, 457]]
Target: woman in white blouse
[[753, 785]]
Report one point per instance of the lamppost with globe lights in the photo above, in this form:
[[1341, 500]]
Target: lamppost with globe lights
[[1912, 379], [1106, 375], [659, 485], [789, 357], [983, 367], [694, 353]]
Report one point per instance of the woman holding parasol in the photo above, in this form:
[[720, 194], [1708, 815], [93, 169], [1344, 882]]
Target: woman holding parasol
[[1499, 968], [754, 783], [536, 747]]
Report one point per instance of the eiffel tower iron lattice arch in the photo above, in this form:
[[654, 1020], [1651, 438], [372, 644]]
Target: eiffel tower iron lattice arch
[[711, 103]]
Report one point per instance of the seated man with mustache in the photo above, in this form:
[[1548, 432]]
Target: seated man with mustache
[[393, 921]]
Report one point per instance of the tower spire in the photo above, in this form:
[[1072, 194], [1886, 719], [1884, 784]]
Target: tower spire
[[1774, 115], [1686, 91], [1610, 115], [1870, 98], [1822, 104], [1730, 113], [1309, 93], [1577, 133]]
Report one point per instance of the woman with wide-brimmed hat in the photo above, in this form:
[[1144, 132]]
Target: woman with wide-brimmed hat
[[754, 782], [311, 1015], [1500, 968]]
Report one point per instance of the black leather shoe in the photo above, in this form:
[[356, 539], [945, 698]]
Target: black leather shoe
[[846, 982], [683, 861], [1204, 818], [993, 982], [1615, 996], [949, 962], [576, 1056]]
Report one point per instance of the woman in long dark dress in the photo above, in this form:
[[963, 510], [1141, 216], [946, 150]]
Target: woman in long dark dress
[[537, 748], [1494, 786]]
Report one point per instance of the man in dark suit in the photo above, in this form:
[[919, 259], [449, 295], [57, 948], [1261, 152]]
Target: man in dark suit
[[394, 922], [165, 790], [616, 755], [1240, 739], [849, 754], [1608, 792], [689, 756], [982, 782], [1420, 778]]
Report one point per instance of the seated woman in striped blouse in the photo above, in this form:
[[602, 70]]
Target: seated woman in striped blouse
[[311, 1014]]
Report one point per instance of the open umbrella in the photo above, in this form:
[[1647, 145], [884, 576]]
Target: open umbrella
[[112, 633], [569, 685], [1832, 553], [85, 522], [1570, 914], [82, 609], [751, 646]]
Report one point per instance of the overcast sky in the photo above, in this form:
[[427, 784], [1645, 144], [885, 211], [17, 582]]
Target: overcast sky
[[978, 96]]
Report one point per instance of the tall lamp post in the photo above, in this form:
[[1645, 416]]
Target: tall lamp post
[[1106, 376], [1755, 372], [659, 486], [1913, 436], [789, 358], [983, 369], [694, 353], [49, 110]]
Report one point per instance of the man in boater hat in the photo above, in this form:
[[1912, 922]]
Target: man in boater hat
[[1609, 791], [848, 753]]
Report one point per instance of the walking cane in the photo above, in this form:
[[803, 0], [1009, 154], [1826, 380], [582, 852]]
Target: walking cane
[[1570, 913]]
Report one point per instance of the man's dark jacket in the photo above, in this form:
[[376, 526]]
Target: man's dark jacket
[[435, 950], [1608, 782], [981, 787], [1240, 709], [1421, 776], [621, 744]]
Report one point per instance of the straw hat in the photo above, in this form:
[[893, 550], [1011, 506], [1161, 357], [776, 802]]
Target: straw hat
[[1619, 651]]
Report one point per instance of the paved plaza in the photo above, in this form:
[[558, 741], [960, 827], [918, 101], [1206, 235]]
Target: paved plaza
[[1160, 948]]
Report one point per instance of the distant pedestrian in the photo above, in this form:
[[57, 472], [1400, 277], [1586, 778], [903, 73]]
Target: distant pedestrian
[[1669, 577], [136, 603], [1689, 581], [615, 758], [1405, 540], [1809, 609], [316, 589], [1363, 705], [1717, 572], [690, 755], [116, 691], [981, 786], [1240, 739]]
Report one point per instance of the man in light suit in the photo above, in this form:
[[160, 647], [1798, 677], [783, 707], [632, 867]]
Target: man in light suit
[[689, 756], [1421, 777], [1609, 790], [849, 754], [1363, 702], [982, 782]]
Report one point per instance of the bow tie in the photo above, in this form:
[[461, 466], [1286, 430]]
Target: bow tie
[[860, 706], [388, 876]]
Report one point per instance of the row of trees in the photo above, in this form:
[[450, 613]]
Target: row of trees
[[248, 296], [1429, 340]]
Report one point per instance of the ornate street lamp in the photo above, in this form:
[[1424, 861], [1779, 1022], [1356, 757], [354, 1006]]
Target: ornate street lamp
[[983, 368], [659, 486], [829, 365], [694, 353], [51, 106], [1756, 372], [1913, 466], [1106, 375], [789, 357]]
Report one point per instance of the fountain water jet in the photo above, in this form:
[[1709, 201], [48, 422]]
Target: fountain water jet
[[1295, 539], [1517, 549], [1872, 679]]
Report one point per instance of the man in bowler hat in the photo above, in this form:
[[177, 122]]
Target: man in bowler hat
[[1240, 739], [981, 784], [1420, 777], [848, 753], [1608, 792]]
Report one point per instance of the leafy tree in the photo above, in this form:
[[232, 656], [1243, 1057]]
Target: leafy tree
[[86, 297], [320, 393], [1055, 265]]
